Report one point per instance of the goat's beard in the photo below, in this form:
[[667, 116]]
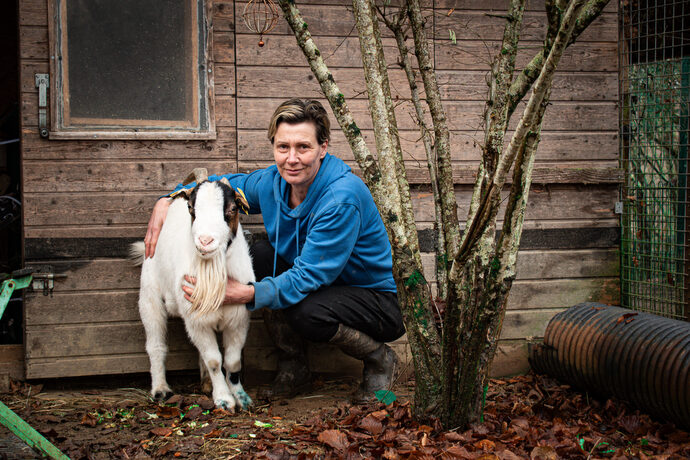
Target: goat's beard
[[211, 279]]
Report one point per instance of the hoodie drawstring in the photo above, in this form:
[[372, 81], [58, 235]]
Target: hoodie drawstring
[[297, 238], [275, 250]]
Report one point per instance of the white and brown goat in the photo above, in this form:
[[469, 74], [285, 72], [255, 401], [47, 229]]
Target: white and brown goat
[[201, 237]]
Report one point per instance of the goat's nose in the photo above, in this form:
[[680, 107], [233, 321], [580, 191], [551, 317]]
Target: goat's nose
[[206, 240]]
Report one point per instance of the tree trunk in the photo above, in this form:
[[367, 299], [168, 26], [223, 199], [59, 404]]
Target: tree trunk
[[452, 351]]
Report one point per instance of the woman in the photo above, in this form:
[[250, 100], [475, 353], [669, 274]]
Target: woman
[[325, 273]]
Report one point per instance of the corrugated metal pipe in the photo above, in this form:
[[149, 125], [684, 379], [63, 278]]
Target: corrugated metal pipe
[[638, 357]]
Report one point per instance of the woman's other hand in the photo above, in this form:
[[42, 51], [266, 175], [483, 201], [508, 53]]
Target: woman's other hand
[[160, 210]]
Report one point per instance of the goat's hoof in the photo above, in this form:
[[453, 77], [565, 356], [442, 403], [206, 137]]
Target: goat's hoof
[[226, 405], [243, 399], [162, 395]]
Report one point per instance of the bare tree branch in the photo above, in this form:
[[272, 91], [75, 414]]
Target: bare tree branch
[[451, 227], [524, 80], [490, 202]]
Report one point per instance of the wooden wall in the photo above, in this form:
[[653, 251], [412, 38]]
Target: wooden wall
[[84, 201]]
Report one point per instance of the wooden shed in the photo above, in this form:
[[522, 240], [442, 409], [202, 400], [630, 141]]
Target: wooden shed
[[119, 100]]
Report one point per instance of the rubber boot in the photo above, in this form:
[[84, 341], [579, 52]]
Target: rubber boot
[[293, 375], [380, 361]]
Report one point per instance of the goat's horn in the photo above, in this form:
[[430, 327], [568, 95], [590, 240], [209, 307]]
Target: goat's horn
[[199, 175], [225, 181]]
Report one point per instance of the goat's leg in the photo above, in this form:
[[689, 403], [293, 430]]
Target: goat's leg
[[154, 318], [206, 386], [233, 343], [204, 339]]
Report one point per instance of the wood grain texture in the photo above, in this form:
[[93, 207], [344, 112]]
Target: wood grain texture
[[462, 115], [82, 177], [588, 147], [456, 85]]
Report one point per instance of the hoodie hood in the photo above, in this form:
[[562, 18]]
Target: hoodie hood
[[330, 170]]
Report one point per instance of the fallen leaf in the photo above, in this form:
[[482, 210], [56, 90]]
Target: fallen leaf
[[161, 431], [380, 414], [165, 448], [371, 424], [89, 420], [543, 453], [486, 445], [167, 411], [334, 438]]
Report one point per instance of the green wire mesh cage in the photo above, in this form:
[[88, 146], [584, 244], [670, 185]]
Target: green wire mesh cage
[[654, 94]]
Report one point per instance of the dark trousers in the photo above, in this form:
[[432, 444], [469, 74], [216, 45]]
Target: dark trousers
[[316, 317]]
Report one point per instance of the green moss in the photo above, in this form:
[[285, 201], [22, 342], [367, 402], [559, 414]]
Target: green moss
[[340, 98], [330, 78], [317, 52], [354, 129], [392, 217], [495, 266], [415, 279], [304, 26]]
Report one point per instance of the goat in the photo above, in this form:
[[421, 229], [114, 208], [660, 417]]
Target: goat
[[202, 238]]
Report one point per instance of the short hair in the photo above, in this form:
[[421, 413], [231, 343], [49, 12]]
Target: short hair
[[295, 111]]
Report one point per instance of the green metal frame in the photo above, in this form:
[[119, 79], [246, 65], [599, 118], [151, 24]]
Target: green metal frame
[[12, 421], [654, 243]]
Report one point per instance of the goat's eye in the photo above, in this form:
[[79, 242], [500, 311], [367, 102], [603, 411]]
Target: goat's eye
[[191, 209]]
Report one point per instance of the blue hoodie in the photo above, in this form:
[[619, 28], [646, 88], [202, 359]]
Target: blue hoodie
[[334, 237]]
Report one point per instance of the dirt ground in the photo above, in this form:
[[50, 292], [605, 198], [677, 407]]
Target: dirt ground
[[525, 417]]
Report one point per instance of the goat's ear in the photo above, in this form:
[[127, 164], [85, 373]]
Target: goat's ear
[[198, 174], [241, 201], [186, 193]]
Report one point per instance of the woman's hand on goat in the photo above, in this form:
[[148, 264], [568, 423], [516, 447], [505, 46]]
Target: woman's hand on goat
[[160, 210], [235, 292]]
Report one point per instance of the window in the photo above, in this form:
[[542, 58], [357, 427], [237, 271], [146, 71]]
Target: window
[[129, 69]]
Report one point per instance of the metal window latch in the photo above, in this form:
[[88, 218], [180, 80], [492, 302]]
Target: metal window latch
[[45, 282], [618, 207], [42, 83]]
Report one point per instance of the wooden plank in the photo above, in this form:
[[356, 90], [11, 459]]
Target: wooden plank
[[541, 294], [224, 47], [466, 55], [33, 42], [560, 116], [556, 174], [510, 359], [553, 203], [283, 49], [477, 25], [519, 324], [224, 80], [501, 5], [454, 84], [96, 305], [35, 147], [552, 264], [75, 366], [94, 339], [253, 146], [332, 20], [269, 81], [113, 176], [223, 16], [225, 111], [475, 55], [86, 249], [33, 13], [12, 361], [545, 203], [470, 85]]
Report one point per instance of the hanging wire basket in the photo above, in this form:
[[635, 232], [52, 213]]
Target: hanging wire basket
[[260, 16]]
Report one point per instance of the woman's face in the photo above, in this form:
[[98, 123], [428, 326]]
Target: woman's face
[[298, 154]]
